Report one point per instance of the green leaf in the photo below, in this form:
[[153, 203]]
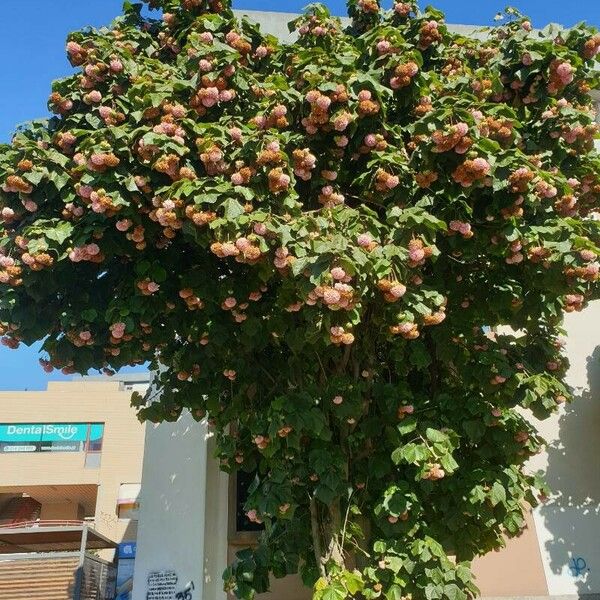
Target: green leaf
[[142, 267], [335, 591], [89, 315], [410, 453], [394, 593], [453, 592], [448, 463], [354, 582], [433, 592], [474, 429], [463, 573], [497, 493], [158, 274], [61, 233], [232, 208], [433, 435], [419, 356], [407, 425]]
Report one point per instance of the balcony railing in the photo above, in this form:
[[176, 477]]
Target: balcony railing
[[48, 523]]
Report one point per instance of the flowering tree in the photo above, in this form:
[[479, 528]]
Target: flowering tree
[[313, 240]]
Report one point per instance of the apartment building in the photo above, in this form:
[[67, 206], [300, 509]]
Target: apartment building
[[70, 469]]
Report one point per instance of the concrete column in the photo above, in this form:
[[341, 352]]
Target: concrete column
[[216, 527], [171, 535]]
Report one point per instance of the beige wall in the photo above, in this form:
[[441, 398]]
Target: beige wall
[[78, 401], [516, 570], [568, 524], [61, 511]]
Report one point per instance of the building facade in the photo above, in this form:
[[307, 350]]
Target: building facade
[[73, 453]]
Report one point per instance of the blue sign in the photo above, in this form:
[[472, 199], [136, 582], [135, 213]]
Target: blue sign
[[125, 568], [50, 437], [96, 432], [127, 549], [50, 432]]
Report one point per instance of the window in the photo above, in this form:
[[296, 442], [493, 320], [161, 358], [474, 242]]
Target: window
[[242, 531], [93, 445], [128, 502], [95, 438], [243, 481], [128, 511]]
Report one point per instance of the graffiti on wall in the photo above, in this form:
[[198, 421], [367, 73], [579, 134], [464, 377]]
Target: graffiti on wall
[[578, 566], [162, 586], [186, 593]]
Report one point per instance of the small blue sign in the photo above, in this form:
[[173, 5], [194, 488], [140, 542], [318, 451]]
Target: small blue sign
[[127, 550]]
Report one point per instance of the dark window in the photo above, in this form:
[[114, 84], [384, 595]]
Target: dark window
[[243, 482]]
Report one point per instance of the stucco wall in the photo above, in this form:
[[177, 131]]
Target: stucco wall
[[172, 506], [568, 524]]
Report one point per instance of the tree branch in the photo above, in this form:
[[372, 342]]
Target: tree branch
[[316, 536]]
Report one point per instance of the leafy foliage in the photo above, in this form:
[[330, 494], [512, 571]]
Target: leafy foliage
[[312, 241]]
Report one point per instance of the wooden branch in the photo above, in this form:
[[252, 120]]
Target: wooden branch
[[316, 536]]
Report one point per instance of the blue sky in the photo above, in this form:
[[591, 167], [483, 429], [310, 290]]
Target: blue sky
[[32, 40]]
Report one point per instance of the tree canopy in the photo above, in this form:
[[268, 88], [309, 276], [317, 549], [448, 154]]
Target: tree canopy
[[351, 254]]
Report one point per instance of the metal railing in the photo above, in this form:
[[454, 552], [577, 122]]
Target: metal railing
[[47, 523]]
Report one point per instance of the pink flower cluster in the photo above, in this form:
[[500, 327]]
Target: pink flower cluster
[[172, 130], [87, 252], [77, 53], [100, 161], [339, 336], [148, 287], [461, 227], [373, 141], [93, 97], [574, 302], [454, 138], [516, 255], [402, 8], [471, 171], [304, 163], [365, 241], [117, 330], [329, 197], [561, 75], [339, 296], [545, 189], [230, 374], [65, 141], [212, 159], [278, 180], [282, 258]]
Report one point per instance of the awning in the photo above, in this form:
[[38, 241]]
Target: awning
[[17, 540], [129, 494]]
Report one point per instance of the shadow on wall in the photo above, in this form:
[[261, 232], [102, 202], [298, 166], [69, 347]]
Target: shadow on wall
[[130, 532], [572, 515]]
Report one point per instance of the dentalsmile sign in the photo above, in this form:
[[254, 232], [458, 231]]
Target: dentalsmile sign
[[48, 437]]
